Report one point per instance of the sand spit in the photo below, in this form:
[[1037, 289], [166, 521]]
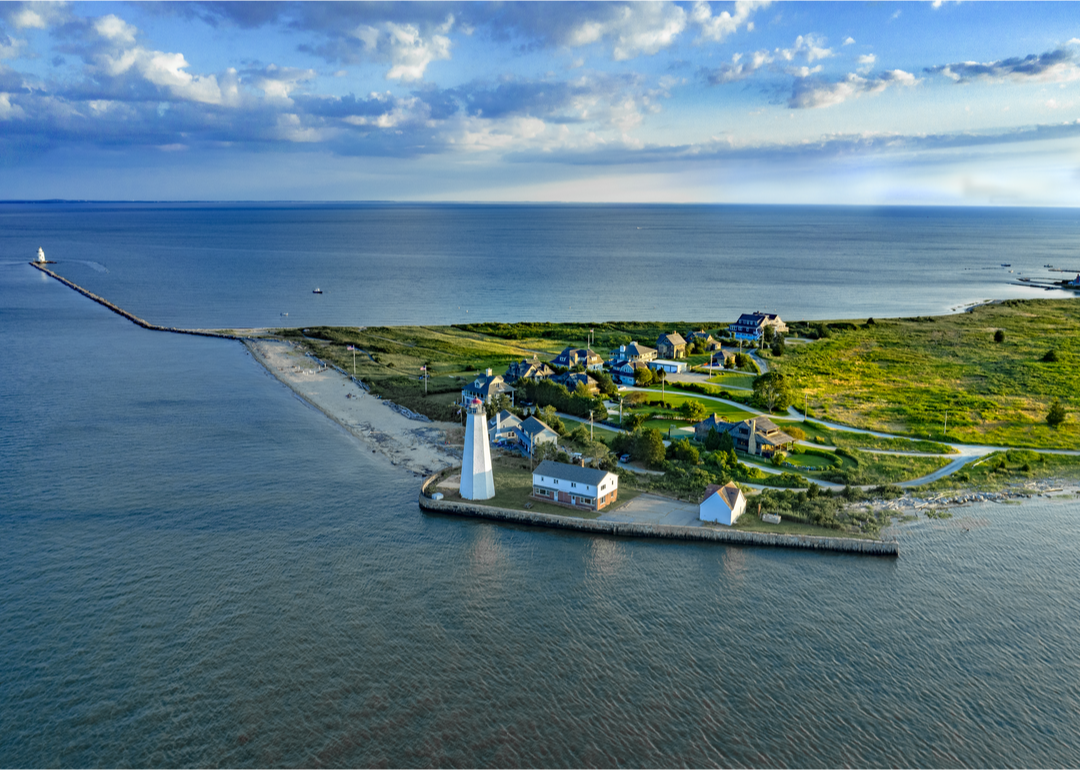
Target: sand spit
[[416, 446]]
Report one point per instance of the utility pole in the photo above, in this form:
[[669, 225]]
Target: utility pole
[[590, 425], [620, 410], [806, 405], [945, 430]]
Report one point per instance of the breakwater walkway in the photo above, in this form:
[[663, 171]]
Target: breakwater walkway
[[662, 531], [131, 316]]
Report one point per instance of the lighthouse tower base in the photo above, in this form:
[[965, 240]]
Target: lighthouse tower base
[[477, 481]]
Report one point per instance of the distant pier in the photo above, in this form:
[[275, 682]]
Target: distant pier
[[131, 316]]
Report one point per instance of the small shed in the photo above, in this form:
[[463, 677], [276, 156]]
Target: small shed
[[722, 504]]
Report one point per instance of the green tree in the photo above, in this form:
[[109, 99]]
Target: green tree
[[682, 451], [1051, 357], [999, 335], [496, 404], [769, 334], [694, 411], [771, 391], [633, 421], [606, 384], [1056, 415], [549, 418], [649, 447], [779, 458], [727, 443], [643, 377], [779, 346], [712, 440]]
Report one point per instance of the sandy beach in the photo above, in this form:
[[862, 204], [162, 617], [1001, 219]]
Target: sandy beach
[[419, 447]]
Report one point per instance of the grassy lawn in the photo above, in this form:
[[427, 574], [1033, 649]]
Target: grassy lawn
[[1012, 468], [513, 485], [903, 375], [849, 440], [734, 380], [749, 522]]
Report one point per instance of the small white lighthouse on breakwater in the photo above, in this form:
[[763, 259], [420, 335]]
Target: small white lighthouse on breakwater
[[41, 256], [477, 481]]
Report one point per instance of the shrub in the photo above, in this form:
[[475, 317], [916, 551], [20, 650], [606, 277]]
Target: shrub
[[1051, 357], [999, 335], [796, 433], [1057, 413]]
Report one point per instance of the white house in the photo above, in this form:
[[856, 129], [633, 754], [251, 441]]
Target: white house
[[722, 504], [574, 486], [671, 367], [531, 433], [502, 427]]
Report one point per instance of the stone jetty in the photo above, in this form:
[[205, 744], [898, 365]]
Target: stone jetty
[[130, 316], [668, 532]]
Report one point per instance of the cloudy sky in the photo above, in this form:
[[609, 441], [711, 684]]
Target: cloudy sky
[[755, 102]]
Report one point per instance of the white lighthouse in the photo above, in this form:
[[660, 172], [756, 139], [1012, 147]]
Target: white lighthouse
[[477, 482], [41, 256]]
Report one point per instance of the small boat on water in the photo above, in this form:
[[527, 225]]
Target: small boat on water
[[316, 290], [1006, 264]]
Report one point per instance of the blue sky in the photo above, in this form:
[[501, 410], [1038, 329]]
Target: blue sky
[[746, 102]]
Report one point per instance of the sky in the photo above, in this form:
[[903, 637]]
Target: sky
[[883, 103]]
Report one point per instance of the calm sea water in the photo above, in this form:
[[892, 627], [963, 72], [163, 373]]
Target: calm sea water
[[198, 569], [223, 266]]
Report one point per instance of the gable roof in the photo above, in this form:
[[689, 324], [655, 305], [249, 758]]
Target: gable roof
[[533, 427], [575, 473], [672, 339], [729, 493], [486, 385]]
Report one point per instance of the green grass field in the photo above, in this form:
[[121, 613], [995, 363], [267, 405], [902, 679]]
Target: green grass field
[[850, 440], [903, 375]]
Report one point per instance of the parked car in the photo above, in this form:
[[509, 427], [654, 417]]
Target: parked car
[[624, 459]]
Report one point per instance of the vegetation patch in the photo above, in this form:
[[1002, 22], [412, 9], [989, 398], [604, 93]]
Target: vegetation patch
[[904, 375]]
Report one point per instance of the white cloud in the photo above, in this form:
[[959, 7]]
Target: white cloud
[[810, 46], [115, 29], [7, 109], [866, 62], [168, 71], [400, 112], [407, 50], [811, 95], [277, 82], [716, 28], [638, 28], [12, 49], [849, 41]]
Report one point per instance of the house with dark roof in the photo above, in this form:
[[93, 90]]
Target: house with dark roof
[[756, 436], [502, 427], [571, 357], [528, 370], [632, 352], [485, 387], [572, 379], [710, 341], [751, 326], [573, 486], [531, 433], [671, 346], [623, 373]]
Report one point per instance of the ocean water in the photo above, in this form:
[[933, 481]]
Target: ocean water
[[243, 266], [198, 569]]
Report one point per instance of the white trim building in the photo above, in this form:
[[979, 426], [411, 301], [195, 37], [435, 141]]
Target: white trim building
[[573, 486], [671, 367]]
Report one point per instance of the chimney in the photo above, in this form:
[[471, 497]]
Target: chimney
[[751, 441], [487, 372]]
